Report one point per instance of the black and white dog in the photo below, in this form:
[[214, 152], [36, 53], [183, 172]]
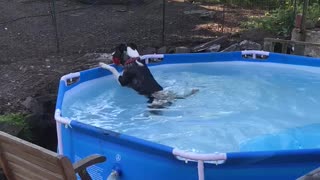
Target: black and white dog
[[137, 76]]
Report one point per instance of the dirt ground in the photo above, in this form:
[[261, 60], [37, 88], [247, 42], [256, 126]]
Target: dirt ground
[[30, 66]]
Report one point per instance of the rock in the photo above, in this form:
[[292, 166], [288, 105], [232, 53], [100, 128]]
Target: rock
[[204, 46], [256, 35], [148, 50], [233, 47], [317, 24], [106, 57], [32, 105], [190, 12], [41, 106], [310, 24], [182, 49], [104, 2], [27, 102], [162, 50], [204, 14], [208, 15], [42, 123], [213, 48], [171, 50], [249, 45]]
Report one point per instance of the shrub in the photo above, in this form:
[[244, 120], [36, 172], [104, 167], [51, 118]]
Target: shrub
[[17, 124], [281, 20]]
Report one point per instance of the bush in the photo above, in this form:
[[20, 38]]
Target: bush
[[13, 119], [15, 124], [281, 20], [269, 4], [314, 12]]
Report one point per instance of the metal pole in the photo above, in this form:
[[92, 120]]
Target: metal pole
[[223, 16], [54, 23], [303, 23], [163, 21], [295, 9]]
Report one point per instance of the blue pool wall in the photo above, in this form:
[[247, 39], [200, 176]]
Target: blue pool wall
[[139, 159]]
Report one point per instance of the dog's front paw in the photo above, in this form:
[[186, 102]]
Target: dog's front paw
[[104, 66], [193, 91]]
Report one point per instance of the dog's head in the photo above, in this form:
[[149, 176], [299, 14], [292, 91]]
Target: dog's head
[[123, 52]]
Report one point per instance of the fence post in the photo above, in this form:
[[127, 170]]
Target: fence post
[[54, 23], [295, 9], [163, 21], [304, 18], [223, 16]]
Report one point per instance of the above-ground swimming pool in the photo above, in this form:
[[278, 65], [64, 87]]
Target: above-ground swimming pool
[[255, 116]]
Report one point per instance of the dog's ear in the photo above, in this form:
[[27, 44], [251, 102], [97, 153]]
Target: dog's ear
[[133, 46], [119, 51], [132, 51], [122, 47]]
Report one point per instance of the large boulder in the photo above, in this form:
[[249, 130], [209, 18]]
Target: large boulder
[[148, 50], [249, 45], [205, 47], [233, 47], [312, 36], [182, 49], [41, 120], [102, 2], [162, 50]]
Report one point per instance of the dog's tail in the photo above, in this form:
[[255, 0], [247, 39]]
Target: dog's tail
[[192, 92]]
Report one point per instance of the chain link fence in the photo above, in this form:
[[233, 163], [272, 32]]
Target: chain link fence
[[33, 28]]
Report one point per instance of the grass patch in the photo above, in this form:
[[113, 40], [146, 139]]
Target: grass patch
[[13, 119], [281, 20], [16, 122]]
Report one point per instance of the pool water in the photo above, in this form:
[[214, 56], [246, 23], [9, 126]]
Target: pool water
[[240, 106]]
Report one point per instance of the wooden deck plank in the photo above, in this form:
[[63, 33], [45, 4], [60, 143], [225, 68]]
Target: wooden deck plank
[[14, 159], [34, 159], [22, 160], [28, 147], [24, 174]]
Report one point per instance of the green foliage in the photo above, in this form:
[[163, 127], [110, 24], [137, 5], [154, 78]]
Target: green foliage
[[13, 119], [246, 3], [17, 120], [211, 1], [281, 20], [255, 3], [314, 12]]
